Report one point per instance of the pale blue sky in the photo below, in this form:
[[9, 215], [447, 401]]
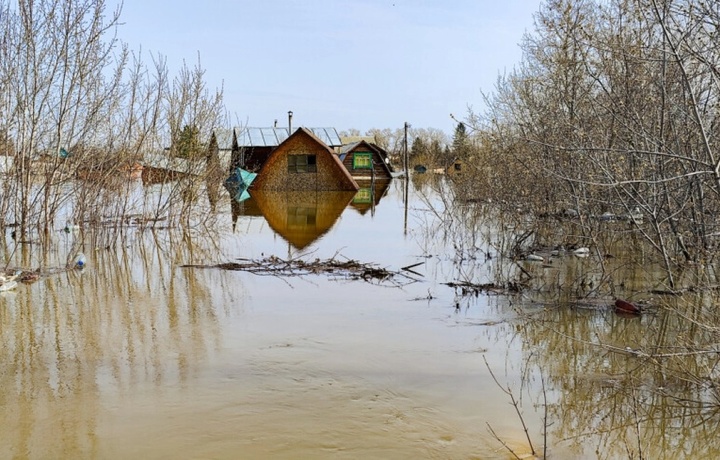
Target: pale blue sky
[[347, 64]]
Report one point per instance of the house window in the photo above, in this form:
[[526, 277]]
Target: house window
[[363, 196], [301, 217], [302, 163], [362, 160]]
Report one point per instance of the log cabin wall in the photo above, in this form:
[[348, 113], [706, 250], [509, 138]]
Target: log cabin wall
[[379, 166]]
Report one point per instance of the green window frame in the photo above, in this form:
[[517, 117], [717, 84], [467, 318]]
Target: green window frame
[[363, 196], [302, 163], [362, 160]]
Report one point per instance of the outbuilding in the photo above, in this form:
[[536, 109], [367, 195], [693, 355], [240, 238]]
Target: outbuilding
[[364, 160], [255, 145], [304, 162]]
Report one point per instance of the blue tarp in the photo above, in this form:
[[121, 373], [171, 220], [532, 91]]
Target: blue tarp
[[238, 183]]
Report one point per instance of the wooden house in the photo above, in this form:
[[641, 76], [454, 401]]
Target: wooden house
[[456, 167], [301, 217], [304, 162], [365, 160], [256, 144]]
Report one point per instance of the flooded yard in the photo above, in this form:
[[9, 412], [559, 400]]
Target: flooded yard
[[141, 356]]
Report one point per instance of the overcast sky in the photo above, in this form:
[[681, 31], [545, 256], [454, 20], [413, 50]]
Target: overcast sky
[[339, 63]]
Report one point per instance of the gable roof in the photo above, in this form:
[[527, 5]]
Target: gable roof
[[345, 149], [338, 168]]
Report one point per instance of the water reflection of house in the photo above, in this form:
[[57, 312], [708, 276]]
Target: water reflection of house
[[369, 195], [303, 161], [254, 145], [365, 160], [301, 217]]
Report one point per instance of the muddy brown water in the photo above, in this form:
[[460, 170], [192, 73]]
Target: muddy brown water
[[138, 357]]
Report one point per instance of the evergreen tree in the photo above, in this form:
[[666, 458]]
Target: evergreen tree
[[461, 143], [418, 149], [188, 145]]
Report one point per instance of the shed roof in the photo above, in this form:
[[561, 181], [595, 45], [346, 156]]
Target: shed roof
[[260, 137], [328, 135], [273, 136]]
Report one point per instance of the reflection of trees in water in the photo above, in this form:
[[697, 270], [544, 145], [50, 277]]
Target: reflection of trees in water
[[621, 386], [488, 243], [626, 384], [75, 342]]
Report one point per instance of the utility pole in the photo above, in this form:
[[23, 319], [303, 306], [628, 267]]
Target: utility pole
[[407, 179], [405, 153]]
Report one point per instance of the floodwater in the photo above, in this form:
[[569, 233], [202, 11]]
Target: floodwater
[[137, 356]]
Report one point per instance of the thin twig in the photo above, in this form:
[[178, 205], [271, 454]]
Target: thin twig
[[515, 404], [502, 442]]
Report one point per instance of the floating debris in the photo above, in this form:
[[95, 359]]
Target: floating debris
[[467, 288], [8, 286], [635, 215], [5, 278], [71, 228], [29, 276], [349, 269], [79, 261], [625, 307], [582, 251]]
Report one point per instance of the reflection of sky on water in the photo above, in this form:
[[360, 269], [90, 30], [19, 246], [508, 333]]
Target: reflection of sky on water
[[138, 357]]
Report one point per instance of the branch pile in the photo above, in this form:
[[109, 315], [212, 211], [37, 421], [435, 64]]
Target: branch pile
[[467, 288], [347, 270]]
